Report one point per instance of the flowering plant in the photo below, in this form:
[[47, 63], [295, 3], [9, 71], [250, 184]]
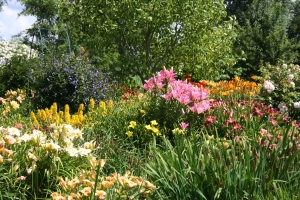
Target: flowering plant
[[13, 106], [69, 80], [173, 101], [86, 186], [184, 93], [8, 49], [281, 88], [36, 156]]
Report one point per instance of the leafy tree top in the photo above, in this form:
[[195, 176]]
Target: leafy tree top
[[140, 37]]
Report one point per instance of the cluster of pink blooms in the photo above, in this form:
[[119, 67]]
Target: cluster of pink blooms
[[185, 93]]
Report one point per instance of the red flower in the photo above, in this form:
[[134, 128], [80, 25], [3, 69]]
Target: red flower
[[273, 122], [230, 121], [210, 119], [236, 127]]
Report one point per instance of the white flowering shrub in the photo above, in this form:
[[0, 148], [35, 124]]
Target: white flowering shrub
[[15, 60], [8, 49], [281, 88], [269, 86]]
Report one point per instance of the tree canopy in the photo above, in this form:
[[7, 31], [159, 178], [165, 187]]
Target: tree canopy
[[205, 38], [139, 37], [2, 2], [263, 34]]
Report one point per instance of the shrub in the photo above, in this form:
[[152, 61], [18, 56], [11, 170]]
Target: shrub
[[9, 49], [69, 80], [281, 88], [14, 74]]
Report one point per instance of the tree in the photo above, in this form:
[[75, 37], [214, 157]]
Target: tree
[[294, 28], [44, 27], [2, 2], [263, 36], [237, 8], [139, 37]]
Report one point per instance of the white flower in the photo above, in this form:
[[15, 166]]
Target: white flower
[[292, 84], [291, 76], [73, 152], [268, 85], [13, 131], [297, 105], [9, 49], [24, 138], [29, 170], [84, 151], [282, 108], [51, 145], [32, 156], [284, 66]]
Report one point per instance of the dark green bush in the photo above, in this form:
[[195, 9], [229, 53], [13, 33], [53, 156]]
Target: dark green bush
[[14, 74]]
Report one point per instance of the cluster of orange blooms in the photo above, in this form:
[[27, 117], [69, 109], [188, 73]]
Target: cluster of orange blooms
[[227, 88], [83, 187], [12, 100]]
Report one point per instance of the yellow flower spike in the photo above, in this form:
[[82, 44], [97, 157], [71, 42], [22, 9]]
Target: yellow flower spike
[[110, 103], [127, 172], [67, 116], [92, 103], [34, 120], [57, 119], [81, 117], [61, 114], [102, 105], [43, 115], [74, 120], [53, 108], [39, 114], [62, 184], [93, 174], [6, 111], [80, 109]]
